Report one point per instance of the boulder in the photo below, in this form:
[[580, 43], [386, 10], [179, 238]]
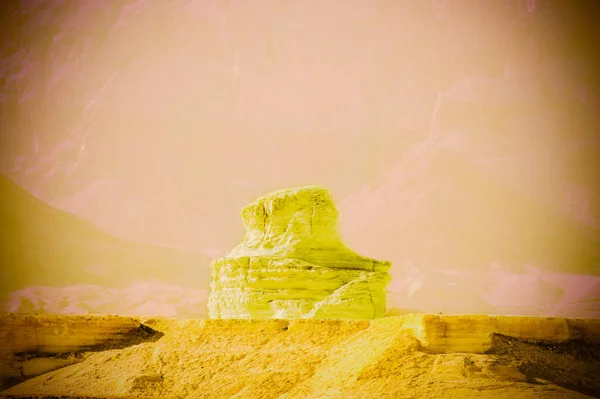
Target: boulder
[[293, 264]]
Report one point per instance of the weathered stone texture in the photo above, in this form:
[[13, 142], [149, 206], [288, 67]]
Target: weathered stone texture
[[292, 264]]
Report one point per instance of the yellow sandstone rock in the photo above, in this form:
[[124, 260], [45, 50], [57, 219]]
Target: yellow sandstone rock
[[293, 264], [54, 334], [33, 344], [411, 356]]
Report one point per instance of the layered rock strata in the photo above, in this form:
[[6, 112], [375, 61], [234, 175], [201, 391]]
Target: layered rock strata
[[33, 344], [433, 355], [293, 264]]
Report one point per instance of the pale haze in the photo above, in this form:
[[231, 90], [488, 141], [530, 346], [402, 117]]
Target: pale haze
[[457, 137]]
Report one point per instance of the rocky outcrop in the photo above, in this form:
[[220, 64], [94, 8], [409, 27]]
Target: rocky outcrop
[[292, 264], [431, 355], [52, 334], [35, 344], [474, 333]]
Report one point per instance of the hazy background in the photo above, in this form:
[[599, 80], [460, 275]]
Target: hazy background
[[459, 137]]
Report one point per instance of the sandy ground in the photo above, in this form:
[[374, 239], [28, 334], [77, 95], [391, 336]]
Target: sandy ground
[[317, 359]]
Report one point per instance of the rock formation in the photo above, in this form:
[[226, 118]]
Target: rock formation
[[34, 344], [292, 264], [436, 357]]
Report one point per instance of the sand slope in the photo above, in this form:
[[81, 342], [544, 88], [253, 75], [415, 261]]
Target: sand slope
[[335, 359]]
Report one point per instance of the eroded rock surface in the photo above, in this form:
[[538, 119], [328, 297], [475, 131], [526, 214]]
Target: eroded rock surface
[[292, 264], [412, 356], [33, 344]]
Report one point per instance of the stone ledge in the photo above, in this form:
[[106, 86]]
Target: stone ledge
[[54, 334], [32, 344], [473, 333]]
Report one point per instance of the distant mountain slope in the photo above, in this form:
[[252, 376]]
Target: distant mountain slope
[[497, 221], [148, 94], [462, 241], [41, 245], [439, 204]]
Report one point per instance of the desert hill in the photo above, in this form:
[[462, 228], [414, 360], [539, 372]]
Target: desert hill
[[461, 239], [412, 356], [43, 246], [442, 193]]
